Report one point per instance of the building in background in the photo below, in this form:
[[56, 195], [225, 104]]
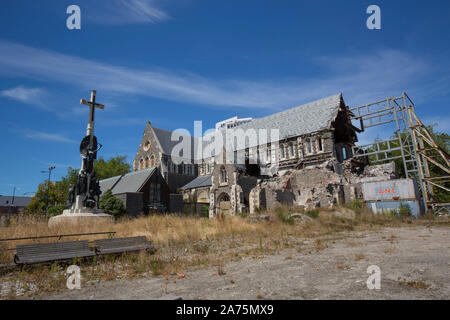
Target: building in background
[[141, 191], [12, 206]]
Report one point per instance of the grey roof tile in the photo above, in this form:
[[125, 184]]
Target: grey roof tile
[[304, 119], [130, 182], [165, 140], [18, 201], [307, 118], [200, 181], [109, 183]]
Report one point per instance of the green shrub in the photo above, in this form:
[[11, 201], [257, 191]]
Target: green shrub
[[404, 210], [205, 211], [55, 210], [111, 205], [314, 213], [283, 215], [355, 205]]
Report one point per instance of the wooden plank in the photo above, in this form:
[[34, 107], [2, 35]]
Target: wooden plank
[[117, 245], [33, 253]]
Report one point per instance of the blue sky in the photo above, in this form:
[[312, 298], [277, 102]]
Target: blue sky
[[175, 61]]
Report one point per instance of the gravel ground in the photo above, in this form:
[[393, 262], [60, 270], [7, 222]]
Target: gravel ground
[[414, 263]]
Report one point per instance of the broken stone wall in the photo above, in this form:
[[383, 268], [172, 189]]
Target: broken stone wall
[[325, 186], [356, 174]]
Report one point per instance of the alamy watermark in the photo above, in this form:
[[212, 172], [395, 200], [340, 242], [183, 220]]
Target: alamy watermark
[[231, 146], [374, 280], [74, 280], [74, 20], [374, 20]]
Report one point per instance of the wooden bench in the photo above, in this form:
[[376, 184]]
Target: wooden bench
[[43, 252], [118, 245]]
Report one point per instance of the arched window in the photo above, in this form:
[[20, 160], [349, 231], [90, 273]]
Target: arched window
[[291, 149], [319, 142], [146, 162], [223, 175], [308, 145], [152, 160], [141, 164]]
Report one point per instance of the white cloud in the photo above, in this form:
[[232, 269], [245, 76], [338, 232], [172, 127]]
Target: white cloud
[[440, 123], [362, 79], [44, 136], [25, 95], [125, 12]]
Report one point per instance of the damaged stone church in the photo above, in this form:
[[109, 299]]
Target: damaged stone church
[[309, 164]]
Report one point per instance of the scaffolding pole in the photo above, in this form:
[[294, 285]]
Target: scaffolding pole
[[412, 140]]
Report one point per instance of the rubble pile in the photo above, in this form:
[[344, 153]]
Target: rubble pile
[[325, 185]]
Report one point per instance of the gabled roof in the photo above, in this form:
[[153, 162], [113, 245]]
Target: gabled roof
[[18, 201], [109, 183], [307, 118], [200, 181], [165, 140], [130, 182], [304, 119]]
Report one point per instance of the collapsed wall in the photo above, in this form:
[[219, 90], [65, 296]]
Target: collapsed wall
[[326, 185]]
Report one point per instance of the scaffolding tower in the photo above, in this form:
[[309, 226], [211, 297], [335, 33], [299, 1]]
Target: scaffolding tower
[[412, 142]]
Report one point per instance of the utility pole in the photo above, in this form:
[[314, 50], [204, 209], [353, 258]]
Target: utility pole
[[14, 194], [50, 169]]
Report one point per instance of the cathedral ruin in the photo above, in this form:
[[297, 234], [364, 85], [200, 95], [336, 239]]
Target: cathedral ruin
[[309, 164]]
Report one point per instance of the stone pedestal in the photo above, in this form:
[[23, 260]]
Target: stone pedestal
[[83, 216]]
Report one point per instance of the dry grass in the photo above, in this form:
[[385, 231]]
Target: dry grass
[[359, 256], [184, 242], [415, 284]]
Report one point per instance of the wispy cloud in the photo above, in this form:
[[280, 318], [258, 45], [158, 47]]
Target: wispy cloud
[[440, 123], [121, 122], [126, 12], [45, 136], [25, 95], [361, 78]]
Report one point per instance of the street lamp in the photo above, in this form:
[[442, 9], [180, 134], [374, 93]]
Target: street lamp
[[50, 169]]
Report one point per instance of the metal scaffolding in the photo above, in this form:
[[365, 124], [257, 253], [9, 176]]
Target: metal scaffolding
[[411, 142]]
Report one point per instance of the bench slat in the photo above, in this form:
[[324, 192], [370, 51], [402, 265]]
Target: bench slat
[[117, 245], [41, 252]]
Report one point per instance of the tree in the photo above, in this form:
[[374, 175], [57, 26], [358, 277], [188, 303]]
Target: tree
[[59, 190], [56, 193], [113, 167], [111, 205]]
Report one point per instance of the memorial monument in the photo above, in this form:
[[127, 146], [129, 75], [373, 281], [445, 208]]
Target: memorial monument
[[84, 196]]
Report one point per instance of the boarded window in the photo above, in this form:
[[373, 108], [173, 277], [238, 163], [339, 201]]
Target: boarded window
[[152, 192], [223, 175]]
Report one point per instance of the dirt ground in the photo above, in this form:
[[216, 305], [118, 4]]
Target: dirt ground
[[414, 264]]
